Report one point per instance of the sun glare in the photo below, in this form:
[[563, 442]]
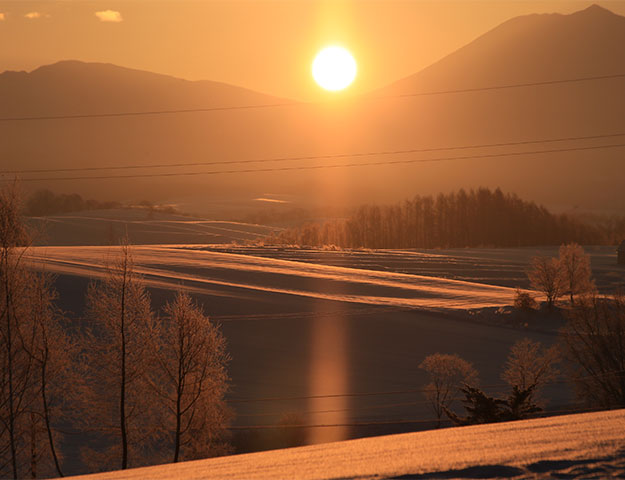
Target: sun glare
[[334, 68]]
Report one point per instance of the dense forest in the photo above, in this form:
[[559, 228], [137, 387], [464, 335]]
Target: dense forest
[[461, 219]]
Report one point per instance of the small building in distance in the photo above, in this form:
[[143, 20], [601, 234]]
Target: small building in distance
[[620, 259]]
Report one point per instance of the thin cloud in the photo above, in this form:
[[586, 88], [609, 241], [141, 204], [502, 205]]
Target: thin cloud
[[2, 17], [109, 16], [33, 15]]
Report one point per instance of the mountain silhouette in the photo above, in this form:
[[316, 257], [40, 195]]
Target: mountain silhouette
[[527, 49], [73, 87], [530, 48]]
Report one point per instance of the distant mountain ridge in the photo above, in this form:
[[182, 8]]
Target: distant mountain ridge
[[71, 86], [530, 48], [524, 49]]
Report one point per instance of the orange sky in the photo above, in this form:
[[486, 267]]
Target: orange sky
[[262, 45]]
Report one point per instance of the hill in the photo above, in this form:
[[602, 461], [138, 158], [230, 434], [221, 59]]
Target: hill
[[524, 49], [589, 445]]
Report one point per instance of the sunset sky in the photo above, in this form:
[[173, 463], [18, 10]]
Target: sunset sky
[[265, 46]]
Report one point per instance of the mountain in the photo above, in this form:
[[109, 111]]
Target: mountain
[[527, 49], [530, 48], [73, 87]]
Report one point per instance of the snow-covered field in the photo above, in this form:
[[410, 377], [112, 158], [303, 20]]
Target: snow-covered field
[[493, 266], [202, 269], [102, 227], [590, 445], [301, 325], [336, 337]]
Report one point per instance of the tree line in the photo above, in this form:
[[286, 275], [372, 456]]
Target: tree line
[[472, 218], [138, 388]]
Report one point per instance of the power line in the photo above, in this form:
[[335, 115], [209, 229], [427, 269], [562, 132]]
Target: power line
[[291, 104], [319, 157], [332, 425], [546, 414], [561, 381], [360, 394], [319, 167], [339, 410]]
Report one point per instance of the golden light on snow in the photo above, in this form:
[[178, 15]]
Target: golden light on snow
[[334, 68]]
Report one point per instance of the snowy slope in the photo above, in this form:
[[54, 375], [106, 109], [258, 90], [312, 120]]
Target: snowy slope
[[142, 226], [200, 269], [590, 445]]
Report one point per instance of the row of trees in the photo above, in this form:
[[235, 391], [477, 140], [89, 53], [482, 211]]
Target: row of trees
[[462, 219], [143, 388]]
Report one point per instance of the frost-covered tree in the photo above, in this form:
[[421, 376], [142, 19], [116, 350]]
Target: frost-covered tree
[[15, 363], [190, 379], [118, 349], [546, 275], [56, 378], [575, 266], [530, 363], [34, 355], [447, 374]]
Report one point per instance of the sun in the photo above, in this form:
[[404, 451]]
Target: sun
[[334, 68]]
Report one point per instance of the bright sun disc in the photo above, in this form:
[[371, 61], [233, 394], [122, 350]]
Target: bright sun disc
[[334, 68]]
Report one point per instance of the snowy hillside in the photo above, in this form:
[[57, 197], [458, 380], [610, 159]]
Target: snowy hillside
[[590, 445]]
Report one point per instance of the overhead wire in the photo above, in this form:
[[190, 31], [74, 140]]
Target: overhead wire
[[331, 166], [560, 381], [371, 423], [317, 157]]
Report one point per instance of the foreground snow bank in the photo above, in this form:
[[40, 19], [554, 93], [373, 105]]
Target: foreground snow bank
[[589, 445]]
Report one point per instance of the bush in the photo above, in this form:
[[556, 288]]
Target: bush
[[524, 300], [482, 408]]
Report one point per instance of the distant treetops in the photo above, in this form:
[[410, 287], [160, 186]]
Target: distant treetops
[[460, 219]]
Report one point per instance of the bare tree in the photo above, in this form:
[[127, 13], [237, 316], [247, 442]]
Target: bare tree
[[16, 372], [595, 341], [118, 349], [447, 375], [56, 378], [530, 364], [546, 276], [191, 379], [575, 266]]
